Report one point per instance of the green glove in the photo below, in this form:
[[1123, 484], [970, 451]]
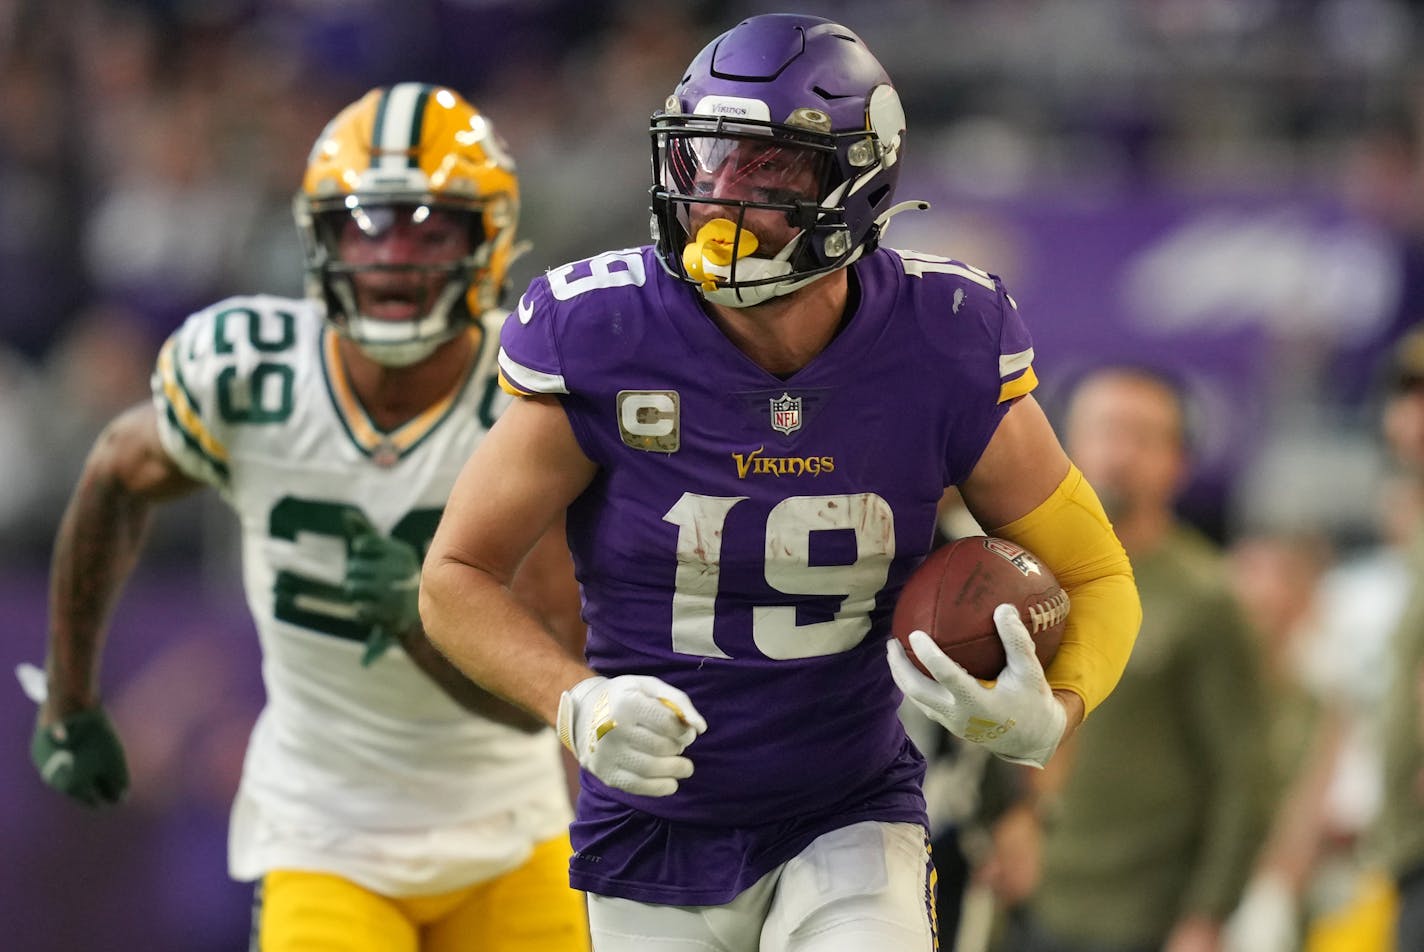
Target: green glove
[[81, 757], [383, 582]]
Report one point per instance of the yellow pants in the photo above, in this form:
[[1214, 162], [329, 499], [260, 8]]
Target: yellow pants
[[529, 909], [1365, 924]]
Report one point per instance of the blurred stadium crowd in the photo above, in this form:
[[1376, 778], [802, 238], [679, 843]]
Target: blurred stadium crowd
[[148, 152], [1233, 187]]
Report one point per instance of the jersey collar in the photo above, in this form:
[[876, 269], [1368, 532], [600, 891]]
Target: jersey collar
[[385, 447]]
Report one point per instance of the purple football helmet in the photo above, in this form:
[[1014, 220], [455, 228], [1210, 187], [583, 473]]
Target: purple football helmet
[[775, 159]]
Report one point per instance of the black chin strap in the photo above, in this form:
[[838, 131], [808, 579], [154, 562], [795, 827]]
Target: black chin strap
[[852, 302]]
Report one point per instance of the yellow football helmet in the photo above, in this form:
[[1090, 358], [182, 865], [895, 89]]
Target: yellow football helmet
[[406, 152]]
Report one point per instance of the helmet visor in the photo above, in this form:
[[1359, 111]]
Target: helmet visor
[[358, 236], [771, 186], [751, 169]]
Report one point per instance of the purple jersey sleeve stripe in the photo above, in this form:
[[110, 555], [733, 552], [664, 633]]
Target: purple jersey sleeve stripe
[[526, 380]]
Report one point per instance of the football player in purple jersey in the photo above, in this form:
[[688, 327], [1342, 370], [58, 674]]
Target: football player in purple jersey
[[749, 424]]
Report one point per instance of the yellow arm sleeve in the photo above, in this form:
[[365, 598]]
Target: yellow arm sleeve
[[1070, 532]]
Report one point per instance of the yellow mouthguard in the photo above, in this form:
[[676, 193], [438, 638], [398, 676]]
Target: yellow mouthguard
[[712, 250]]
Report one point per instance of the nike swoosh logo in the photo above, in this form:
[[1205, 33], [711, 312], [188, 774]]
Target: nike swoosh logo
[[59, 760], [525, 311]]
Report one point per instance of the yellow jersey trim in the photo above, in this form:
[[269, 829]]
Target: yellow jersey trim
[[367, 436], [185, 414], [1020, 385]]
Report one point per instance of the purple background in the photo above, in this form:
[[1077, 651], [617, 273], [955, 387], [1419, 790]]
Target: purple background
[[181, 681], [1264, 305]]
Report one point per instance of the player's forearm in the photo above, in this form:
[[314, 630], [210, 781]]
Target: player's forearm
[[478, 624], [1101, 630], [95, 551], [1071, 533], [1073, 708], [461, 689], [545, 584], [98, 544]]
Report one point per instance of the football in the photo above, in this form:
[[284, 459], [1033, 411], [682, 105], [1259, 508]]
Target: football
[[953, 594]]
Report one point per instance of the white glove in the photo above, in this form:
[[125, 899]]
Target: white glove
[[630, 731], [1266, 919], [1016, 716]]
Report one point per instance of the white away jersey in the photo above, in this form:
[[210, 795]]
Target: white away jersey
[[370, 772]]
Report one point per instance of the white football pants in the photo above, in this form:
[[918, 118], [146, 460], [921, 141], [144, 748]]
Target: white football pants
[[863, 887]]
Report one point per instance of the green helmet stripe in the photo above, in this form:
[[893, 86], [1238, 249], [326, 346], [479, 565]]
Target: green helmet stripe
[[378, 128], [417, 120], [399, 118]]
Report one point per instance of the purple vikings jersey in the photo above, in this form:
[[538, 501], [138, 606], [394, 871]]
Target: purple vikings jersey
[[745, 538]]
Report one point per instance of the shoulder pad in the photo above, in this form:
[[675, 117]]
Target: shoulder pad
[[228, 364], [961, 307], [571, 313]]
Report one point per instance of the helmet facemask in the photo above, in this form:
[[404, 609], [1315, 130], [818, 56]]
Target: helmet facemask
[[744, 204], [407, 213], [805, 87], [402, 310]]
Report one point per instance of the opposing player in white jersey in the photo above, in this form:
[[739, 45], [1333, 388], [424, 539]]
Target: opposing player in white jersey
[[375, 810]]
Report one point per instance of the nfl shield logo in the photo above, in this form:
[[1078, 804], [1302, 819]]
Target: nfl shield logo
[[786, 413], [1019, 557]]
